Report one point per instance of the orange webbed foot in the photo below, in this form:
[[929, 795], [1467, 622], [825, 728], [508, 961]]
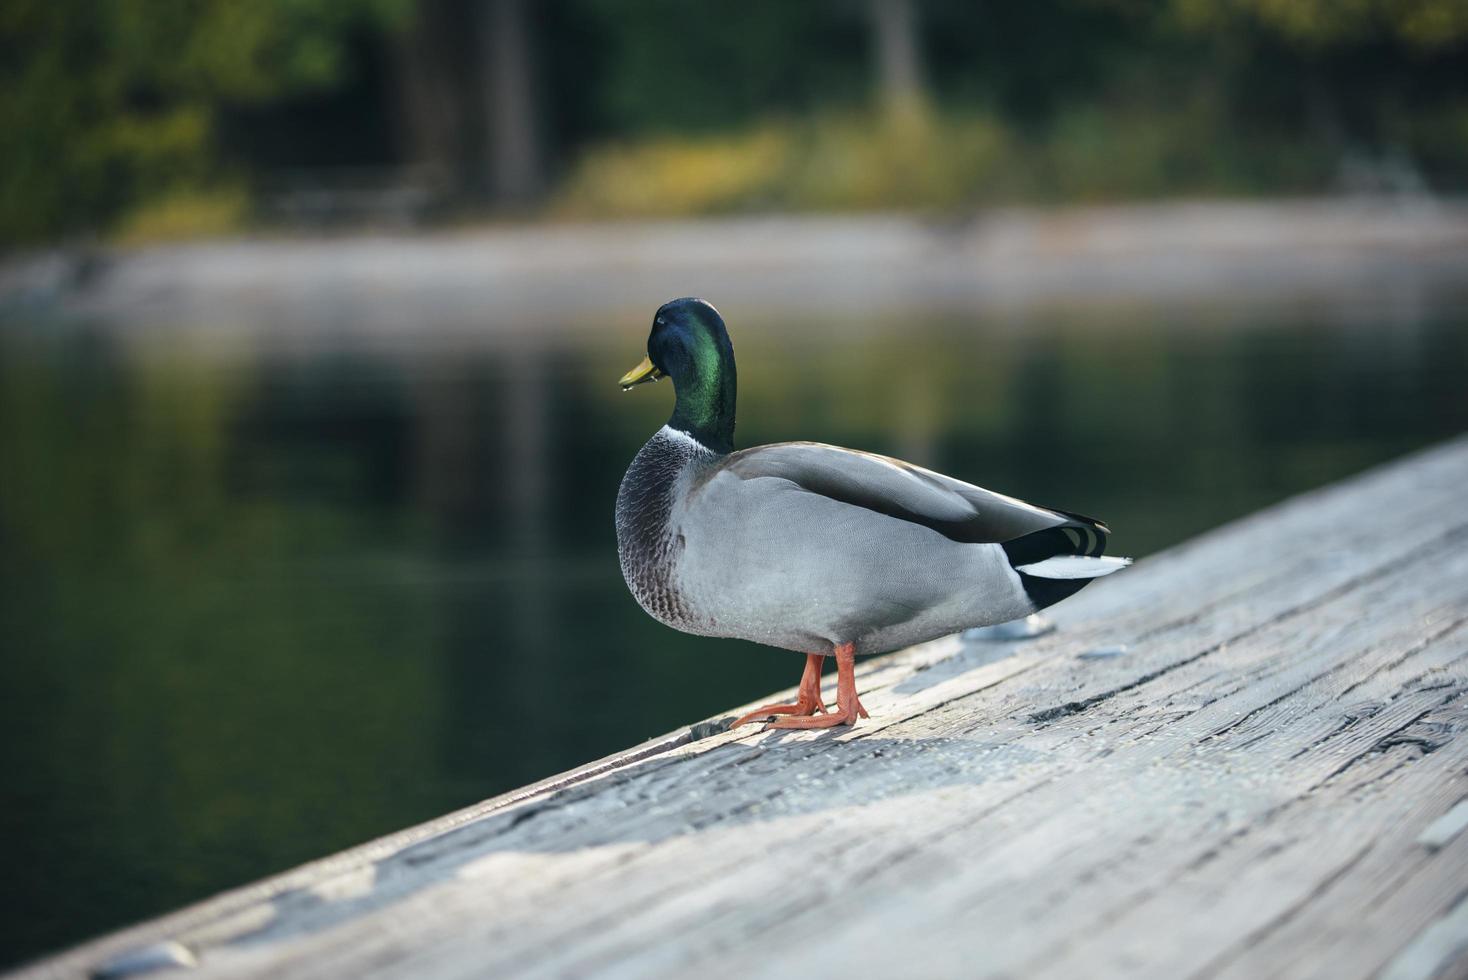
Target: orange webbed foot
[[807, 702], [782, 708], [841, 716], [848, 705]]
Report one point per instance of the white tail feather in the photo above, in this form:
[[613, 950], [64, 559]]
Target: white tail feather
[[1074, 566]]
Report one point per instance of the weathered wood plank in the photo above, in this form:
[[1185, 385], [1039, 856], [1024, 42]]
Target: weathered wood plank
[[1271, 780]]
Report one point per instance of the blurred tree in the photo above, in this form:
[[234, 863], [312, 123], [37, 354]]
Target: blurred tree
[[108, 101], [899, 57], [672, 66], [1378, 83], [435, 124], [1318, 23], [509, 91]]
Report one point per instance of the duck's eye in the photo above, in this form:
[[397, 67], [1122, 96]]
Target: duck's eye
[[661, 322]]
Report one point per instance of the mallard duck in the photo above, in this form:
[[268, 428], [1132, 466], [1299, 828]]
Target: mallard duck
[[814, 548]]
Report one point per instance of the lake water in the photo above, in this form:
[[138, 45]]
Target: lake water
[[270, 592]]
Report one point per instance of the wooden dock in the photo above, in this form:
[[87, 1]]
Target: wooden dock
[[1245, 757]]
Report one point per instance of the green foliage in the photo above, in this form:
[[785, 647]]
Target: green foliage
[[1322, 23], [1060, 100], [940, 161], [674, 66], [177, 109], [829, 161], [107, 102], [185, 213]]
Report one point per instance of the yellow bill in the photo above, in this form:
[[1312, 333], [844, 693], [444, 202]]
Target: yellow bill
[[642, 373]]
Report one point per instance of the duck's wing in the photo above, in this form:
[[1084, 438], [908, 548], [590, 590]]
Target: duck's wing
[[959, 511]]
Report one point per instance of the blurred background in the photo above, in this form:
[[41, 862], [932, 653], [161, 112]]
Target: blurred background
[[149, 118], [311, 313]]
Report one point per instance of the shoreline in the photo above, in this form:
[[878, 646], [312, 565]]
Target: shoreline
[[1009, 258]]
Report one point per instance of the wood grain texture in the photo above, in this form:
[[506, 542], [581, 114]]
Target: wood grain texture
[[1270, 780]]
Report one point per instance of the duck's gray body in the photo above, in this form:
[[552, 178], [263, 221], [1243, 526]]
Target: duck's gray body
[[806, 546]]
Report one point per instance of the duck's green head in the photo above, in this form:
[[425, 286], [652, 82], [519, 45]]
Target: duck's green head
[[689, 344]]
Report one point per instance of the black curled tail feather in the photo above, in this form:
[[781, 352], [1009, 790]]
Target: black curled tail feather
[[1083, 536], [1079, 535], [1088, 527]]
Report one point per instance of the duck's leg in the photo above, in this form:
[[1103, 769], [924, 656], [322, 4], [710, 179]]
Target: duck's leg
[[807, 700], [848, 707]]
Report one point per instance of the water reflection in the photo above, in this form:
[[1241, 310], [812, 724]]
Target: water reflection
[[266, 599]]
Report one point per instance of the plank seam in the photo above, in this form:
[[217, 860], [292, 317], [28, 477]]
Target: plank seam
[[1345, 588]]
